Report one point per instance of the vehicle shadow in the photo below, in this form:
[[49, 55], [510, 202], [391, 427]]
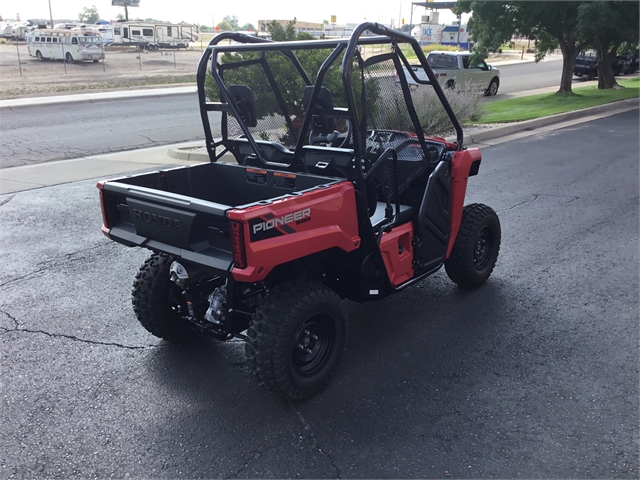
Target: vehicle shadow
[[422, 334]]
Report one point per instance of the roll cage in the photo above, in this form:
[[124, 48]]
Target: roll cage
[[350, 48], [267, 120]]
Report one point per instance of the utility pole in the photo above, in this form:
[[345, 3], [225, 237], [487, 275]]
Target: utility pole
[[50, 14], [126, 13]]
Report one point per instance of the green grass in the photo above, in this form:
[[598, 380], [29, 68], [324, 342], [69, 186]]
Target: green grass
[[536, 106]]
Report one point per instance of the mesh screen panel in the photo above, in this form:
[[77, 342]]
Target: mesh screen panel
[[389, 126], [273, 119]]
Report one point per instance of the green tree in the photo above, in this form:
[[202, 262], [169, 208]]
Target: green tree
[[611, 24], [552, 24], [248, 27], [229, 24], [89, 15], [225, 26]]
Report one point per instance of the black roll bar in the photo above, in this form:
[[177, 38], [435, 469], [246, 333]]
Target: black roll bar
[[403, 38]]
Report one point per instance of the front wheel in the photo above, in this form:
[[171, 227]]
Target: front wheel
[[158, 302], [39, 55], [69, 57], [297, 338], [476, 248]]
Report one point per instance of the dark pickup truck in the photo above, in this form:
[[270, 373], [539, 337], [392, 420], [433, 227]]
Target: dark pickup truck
[[337, 193], [587, 65]]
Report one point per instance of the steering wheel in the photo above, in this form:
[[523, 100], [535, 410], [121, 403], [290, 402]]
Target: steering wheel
[[331, 137]]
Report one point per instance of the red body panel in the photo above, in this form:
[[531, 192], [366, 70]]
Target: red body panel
[[399, 264], [460, 166], [298, 226]]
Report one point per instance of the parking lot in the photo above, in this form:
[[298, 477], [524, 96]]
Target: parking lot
[[534, 375]]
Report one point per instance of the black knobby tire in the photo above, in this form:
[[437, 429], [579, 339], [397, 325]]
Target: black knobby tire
[[297, 338], [157, 301], [476, 248]]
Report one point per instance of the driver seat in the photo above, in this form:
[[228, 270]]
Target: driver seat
[[319, 123]]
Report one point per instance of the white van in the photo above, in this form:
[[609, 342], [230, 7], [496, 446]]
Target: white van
[[69, 45]]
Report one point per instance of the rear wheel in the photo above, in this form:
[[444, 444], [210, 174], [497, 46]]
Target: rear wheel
[[493, 87], [158, 302], [451, 85], [476, 248], [297, 338], [39, 55]]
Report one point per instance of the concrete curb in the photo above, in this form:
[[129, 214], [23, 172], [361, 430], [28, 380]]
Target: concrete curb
[[504, 130], [187, 153]]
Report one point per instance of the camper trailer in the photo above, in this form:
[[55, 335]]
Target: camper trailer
[[152, 36]]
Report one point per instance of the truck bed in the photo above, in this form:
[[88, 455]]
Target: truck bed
[[183, 211]]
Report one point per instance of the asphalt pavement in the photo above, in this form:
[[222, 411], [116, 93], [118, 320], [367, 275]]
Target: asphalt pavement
[[533, 375]]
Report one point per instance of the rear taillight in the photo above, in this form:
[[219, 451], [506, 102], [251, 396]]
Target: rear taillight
[[103, 207], [237, 245]]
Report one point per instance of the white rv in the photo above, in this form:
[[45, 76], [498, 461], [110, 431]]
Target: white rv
[[19, 31], [154, 35], [4, 28]]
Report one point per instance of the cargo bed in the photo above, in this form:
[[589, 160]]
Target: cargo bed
[[183, 211]]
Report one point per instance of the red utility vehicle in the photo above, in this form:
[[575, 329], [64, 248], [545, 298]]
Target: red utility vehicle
[[337, 193]]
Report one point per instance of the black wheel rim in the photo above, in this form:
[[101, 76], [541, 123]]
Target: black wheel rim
[[313, 344], [175, 301], [483, 248]]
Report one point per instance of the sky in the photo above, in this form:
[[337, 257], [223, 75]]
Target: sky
[[208, 12]]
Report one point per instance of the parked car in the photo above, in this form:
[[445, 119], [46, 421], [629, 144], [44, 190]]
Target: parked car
[[453, 70], [587, 65]]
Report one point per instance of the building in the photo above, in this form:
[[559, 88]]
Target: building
[[308, 27]]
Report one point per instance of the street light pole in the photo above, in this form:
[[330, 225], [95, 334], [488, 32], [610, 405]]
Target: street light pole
[[50, 14]]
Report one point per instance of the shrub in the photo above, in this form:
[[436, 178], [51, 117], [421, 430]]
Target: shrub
[[466, 105]]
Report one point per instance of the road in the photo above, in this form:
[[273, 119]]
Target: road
[[530, 76], [534, 375], [56, 132]]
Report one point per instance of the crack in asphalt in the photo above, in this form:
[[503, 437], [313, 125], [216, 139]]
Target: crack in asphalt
[[535, 197], [55, 262], [69, 337], [314, 443], [253, 454]]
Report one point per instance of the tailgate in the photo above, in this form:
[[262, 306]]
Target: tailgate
[[189, 228]]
